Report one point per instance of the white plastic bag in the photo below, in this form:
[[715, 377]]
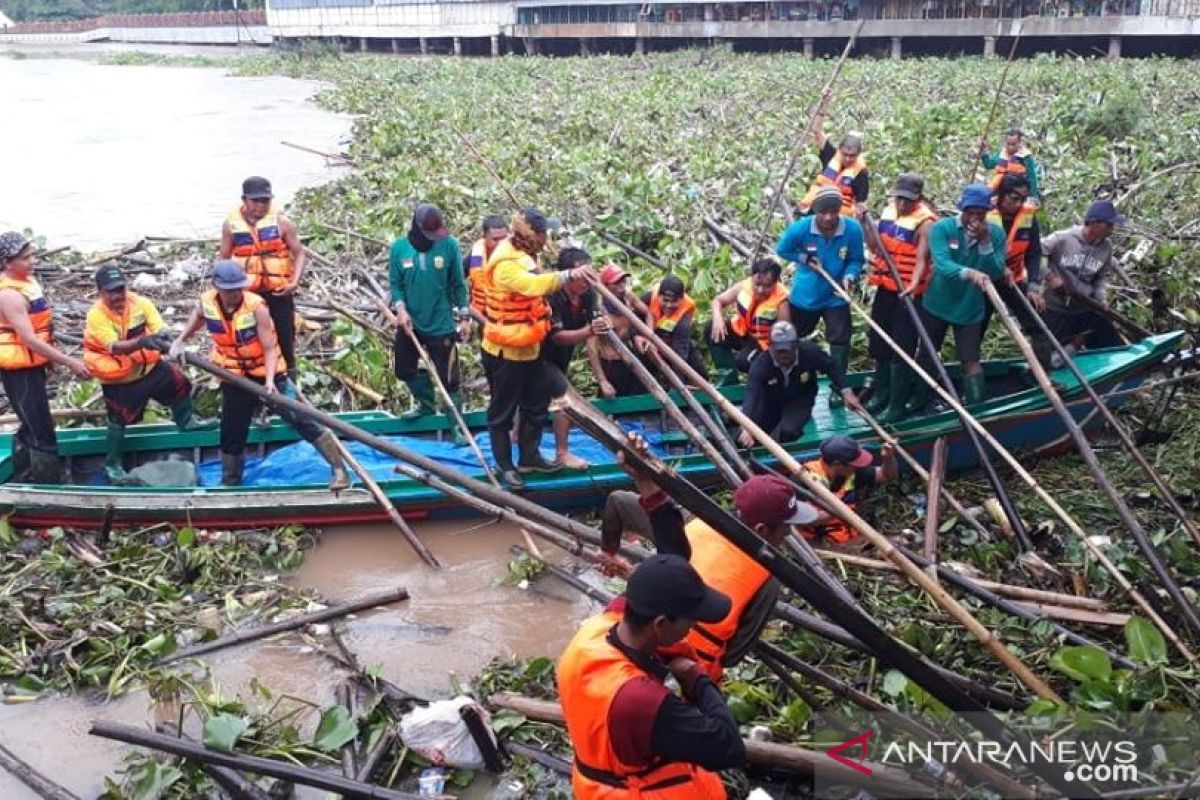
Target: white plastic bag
[[438, 733]]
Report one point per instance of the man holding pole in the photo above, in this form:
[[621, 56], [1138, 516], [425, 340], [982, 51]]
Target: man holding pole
[[1079, 260], [835, 244], [429, 298], [495, 230], [758, 303], [1013, 159], [904, 233], [1022, 257], [845, 169]]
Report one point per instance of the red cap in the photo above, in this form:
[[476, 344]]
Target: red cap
[[771, 500], [612, 273]]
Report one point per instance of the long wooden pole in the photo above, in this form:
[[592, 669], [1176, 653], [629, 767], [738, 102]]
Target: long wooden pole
[[1182, 606], [973, 167], [937, 475], [1122, 432], [36, 781], [803, 142], [1093, 548]]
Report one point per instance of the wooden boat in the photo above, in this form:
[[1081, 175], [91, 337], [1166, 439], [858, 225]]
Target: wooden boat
[[1018, 413]]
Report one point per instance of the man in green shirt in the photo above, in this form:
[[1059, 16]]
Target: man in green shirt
[[967, 252], [429, 296]]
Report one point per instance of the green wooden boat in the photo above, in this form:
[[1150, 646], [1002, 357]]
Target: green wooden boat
[[1018, 414]]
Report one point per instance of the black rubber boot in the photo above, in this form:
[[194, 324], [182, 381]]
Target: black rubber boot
[[183, 414], [231, 469], [899, 392], [502, 455], [44, 468], [422, 391], [881, 387], [529, 439], [974, 388], [114, 441], [840, 353]]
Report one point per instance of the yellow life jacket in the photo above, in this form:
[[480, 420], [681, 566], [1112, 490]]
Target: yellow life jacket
[[1019, 237], [14, 353], [834, 174], [899, 236], [108, 367], [836, 530], [755, 316], [513, 319]]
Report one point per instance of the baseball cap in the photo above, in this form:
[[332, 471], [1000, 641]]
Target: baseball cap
[[668, 586], [12, 244], [845, 450], [539, 221], [1104, 211], [910, 186], [431, 221], [612, 273], [783, 336], [110, 277], [256, 188], [975, 196], [771, 500], [229, 275]]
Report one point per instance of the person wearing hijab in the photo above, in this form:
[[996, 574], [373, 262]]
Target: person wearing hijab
[[429, 298]]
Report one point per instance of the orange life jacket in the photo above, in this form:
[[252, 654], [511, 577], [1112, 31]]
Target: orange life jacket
[[236, 345], [667, 323], [1008, 165], [836, 530], [727, 569], [513, 319], [834, 174], [899, 236], [14, 354], [108, 367], [475, 281], [1018, 239], [590, 673], [754, 316], [261, 250]]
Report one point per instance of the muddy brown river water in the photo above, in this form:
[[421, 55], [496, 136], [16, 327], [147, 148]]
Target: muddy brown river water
[[457, 620]]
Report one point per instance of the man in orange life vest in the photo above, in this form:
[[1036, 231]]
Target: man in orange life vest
[[1013, 159], [847, 470], [671, 312], [758, 302], [495, 230], [768, 506], [264, 241], [616, 378], [844, 168], [122, 340], [633, 737], [26, 333], [244, 343]]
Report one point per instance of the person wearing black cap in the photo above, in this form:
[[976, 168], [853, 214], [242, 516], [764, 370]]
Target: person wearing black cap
[[429, 297], [847, 470], [265, 242], [904, 232], [1079, 261], [244, 343], [26, 349], [782, 386], [671, 312], [123, 340], [632, 736], [518, 321]]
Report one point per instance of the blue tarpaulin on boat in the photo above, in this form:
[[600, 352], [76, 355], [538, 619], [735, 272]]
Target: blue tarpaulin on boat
[[300, 463]]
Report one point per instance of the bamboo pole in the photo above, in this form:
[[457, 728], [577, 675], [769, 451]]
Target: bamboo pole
[[1122, 432], [1016, 466], [803, 142], [973, 167], [38, 783], [1182, 606], [930, 586], [290, 624], [937, 474]]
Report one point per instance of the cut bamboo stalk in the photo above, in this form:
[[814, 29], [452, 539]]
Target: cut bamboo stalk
[[1075, 614], [36, 781], [937, 473]]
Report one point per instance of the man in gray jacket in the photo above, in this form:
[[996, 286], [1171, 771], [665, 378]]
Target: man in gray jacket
[[1079, 260]]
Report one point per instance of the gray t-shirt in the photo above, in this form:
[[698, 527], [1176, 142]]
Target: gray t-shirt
[[1083, 266]]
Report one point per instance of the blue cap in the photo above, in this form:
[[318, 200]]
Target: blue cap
[[975, 196], [229, 275], [1103, 211]]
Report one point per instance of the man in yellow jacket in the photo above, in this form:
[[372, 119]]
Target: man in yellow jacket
[[518, 320]]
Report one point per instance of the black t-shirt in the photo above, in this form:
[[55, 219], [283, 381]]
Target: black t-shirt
[[567, 316]]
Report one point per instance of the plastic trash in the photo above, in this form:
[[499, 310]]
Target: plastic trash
[[168, 472], [438, 733], [431, 782]]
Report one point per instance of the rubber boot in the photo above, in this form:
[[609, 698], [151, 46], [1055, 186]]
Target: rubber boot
[[327, 446], [502, 455], [840, 353], [421, 387], [20, 461], [900, 385], [919, 398], [184, 415], [529, 439], [974, 388], [44, 468], [232, 468], [881, 387], [726, 363], [114, 441], [459, 438]]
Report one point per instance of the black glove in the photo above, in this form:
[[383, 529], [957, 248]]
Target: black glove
[[155, 341]]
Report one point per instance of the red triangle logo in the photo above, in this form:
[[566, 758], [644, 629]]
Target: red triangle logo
[[858, 741]]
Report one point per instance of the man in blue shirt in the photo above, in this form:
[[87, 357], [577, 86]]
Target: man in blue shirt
[[835, 243]]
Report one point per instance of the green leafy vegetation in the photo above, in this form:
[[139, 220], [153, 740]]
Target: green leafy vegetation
[[54, 10]]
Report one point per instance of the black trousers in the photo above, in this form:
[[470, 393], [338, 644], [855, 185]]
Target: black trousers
[[837, 323], [888, 310], [126, 402], [1097, 330], [785, 420], [238, 408], [283, 314], [26, 390], [443, 352], [525, 385], [623, 379], [741, 348], [968, 339]]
